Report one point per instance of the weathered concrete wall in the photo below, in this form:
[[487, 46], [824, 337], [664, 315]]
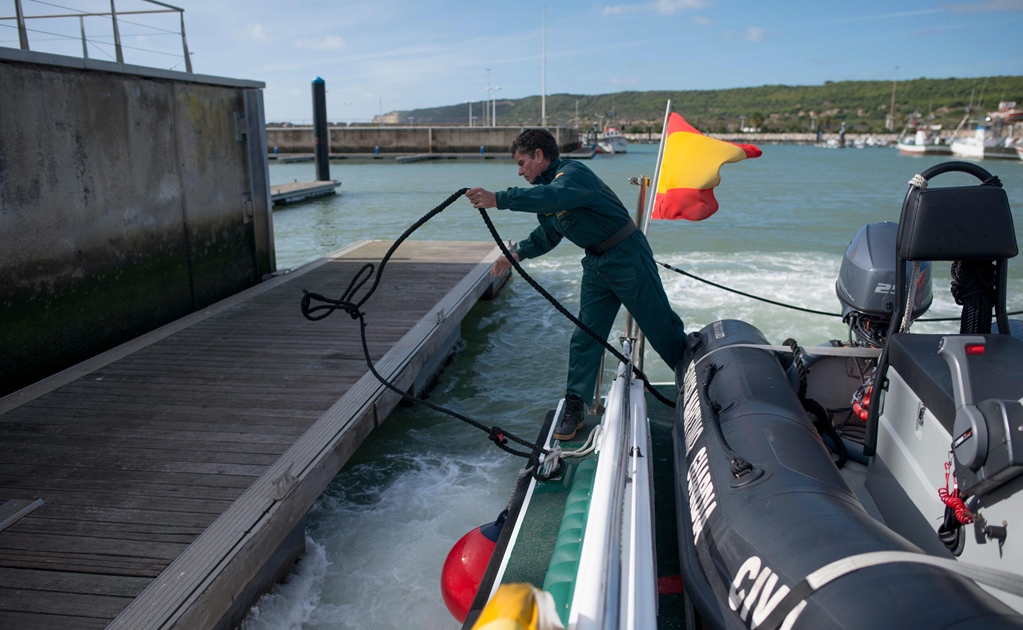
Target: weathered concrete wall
[[122, 208], [410, 139]]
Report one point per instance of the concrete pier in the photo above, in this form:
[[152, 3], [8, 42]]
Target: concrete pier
[[176, 469], [409, 140]]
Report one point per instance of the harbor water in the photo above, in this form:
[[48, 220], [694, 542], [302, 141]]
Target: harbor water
[[378, 536]]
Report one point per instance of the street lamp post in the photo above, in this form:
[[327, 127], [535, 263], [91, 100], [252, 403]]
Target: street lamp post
[[469, 103], [493, 114], [486, 107]]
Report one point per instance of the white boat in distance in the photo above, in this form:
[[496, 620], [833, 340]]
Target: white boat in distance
[[926, 141], [612, 141], [993, 138]]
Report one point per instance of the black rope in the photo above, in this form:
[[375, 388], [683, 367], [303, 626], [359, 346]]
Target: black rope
[[348, 304], [739, 465], [973, 288], [823, 421], [791, 306], [561, 309], [749, 295]]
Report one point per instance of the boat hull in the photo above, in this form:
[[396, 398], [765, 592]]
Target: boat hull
[[748, 542], [979, 152], [924, 149], [616, 144]]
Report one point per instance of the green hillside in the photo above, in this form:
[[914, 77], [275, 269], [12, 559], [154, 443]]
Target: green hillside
[[863, 105]]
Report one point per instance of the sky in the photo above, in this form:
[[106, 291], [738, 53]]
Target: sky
[[403, 54]]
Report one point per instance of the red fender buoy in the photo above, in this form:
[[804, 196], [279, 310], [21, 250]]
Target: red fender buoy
[[465, 565]]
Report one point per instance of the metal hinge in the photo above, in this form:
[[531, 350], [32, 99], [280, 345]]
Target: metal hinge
[[241, 127], [247, 208]]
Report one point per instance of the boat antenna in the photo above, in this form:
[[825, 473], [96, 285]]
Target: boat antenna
[[980, 101]]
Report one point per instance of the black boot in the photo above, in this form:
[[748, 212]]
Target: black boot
[[572, 419]]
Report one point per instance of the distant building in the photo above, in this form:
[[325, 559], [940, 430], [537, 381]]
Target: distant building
[[390, 118]]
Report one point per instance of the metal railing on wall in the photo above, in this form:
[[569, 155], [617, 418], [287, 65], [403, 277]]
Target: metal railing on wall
[[21, 21]]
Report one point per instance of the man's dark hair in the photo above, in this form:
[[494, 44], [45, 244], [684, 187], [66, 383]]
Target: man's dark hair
[[532, 139]]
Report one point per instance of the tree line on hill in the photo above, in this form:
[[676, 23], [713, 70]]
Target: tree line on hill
[[863, 105]]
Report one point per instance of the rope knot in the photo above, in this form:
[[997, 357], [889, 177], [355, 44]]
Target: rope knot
[[918, 181], [497, 436]]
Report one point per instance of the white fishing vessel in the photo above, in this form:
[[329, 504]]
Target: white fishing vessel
[[612, 140], [993, 137], [926, 140]]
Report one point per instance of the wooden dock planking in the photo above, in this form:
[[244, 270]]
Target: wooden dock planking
[[189, 454]]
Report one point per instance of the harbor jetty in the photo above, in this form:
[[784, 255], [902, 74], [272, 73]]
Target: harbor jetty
[[167, 415], [392, 139]]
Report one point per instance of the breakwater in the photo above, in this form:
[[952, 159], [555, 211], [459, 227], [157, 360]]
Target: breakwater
[[408, 139], [777, 138]]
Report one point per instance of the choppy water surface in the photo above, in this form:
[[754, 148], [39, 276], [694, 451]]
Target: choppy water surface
[[378, 536]]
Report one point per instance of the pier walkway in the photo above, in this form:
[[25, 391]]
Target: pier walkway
[[174, 468]]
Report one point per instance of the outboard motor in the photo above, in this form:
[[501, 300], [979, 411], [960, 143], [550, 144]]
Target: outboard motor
[[866, 283]]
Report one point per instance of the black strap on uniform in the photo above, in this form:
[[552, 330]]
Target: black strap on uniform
[[613, 240]]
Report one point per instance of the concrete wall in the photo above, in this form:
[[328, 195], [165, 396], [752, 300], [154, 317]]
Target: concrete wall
[[410, 139], [126, 202]]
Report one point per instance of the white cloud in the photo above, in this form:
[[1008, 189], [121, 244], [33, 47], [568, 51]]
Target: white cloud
[[330, 42], [754, 34], [670, 7], [664, 7], [255, 32], [702, 21], [1008, 6]]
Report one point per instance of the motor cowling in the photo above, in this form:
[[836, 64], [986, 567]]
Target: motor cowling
[[866, 281]]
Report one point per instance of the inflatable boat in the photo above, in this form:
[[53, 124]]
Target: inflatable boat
[[872, 482]]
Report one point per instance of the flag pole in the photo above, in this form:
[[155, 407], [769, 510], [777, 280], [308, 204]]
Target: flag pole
[[651, 198]]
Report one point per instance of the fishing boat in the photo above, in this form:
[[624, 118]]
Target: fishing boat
[[993, 137], [612, 140], [868, 482], [926, 140]]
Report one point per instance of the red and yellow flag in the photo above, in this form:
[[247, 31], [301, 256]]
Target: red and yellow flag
[[690, 169]]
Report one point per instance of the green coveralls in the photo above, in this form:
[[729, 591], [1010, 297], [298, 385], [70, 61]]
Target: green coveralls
[[571, 202]]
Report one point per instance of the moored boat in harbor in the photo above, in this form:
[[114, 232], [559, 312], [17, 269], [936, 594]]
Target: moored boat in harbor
[[993, 137], [612, 140], [925, 141]]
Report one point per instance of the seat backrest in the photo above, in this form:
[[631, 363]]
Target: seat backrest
[[966, 223]]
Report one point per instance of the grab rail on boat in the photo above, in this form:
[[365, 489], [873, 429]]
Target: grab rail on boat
[[597, 588]]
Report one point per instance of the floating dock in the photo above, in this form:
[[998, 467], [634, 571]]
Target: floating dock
[[284, 194], [175, 470]]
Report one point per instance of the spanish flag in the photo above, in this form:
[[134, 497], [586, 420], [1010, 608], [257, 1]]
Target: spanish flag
[[690, 169]]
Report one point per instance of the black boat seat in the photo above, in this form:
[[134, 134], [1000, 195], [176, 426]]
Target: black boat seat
[[997, 374]]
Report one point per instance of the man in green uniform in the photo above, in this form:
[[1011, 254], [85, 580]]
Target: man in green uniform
[[571, 202]]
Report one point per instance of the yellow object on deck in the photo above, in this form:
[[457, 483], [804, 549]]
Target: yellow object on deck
[[519, 607]]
